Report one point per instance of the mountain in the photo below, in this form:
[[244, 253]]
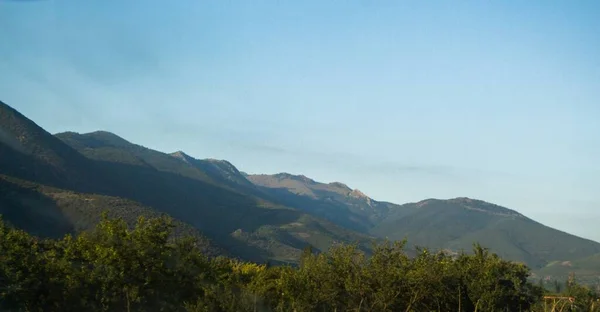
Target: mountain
[[29, 152], [211, 195], [102, 171], [333, 201], [456, 223], [219, 170], [108, 148], [53, 185], [453, 224]]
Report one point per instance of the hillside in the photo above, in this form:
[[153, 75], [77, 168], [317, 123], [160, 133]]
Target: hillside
[[221, 171], [456, 223], [29, 152], [585, 269], [203, 194], [333, 201], [453, 224], [51, 212], [103, 164], [59, 184]]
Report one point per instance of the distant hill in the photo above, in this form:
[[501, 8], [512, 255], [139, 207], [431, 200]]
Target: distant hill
[[453, 224], [456, 223]]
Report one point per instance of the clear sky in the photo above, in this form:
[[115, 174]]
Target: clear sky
[[404, 100]]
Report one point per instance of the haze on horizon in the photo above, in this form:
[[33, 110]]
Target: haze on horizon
[[402, 100]]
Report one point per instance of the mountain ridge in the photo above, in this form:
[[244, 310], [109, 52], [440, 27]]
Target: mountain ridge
[[257, 216]]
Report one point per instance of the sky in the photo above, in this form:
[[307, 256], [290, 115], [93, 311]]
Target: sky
[[404, 100]]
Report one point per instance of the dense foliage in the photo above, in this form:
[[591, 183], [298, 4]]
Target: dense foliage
[[117, 268]]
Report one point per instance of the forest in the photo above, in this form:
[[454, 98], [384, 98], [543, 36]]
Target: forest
[[115, 267]]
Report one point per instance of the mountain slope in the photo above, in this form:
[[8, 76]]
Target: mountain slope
[[29, 152], [220, 171], [453, 224], [108, 147], [51, 212], [585, 269], [103, 164], [46, 178], [211, 195], [333, 201], [457, 223]]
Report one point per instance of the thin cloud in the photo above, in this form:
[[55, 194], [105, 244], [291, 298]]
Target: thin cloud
[[355, 162], [267, 148]]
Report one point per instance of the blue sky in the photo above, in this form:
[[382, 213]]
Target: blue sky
[[404, 100]]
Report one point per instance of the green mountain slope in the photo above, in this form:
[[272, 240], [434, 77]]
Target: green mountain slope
[[585, 269], [456, 223], [453, 224]]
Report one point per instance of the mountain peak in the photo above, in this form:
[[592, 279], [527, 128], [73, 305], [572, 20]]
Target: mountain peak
[[181, 155], [217, 161], [299, 177], [24, 135], [340, 185], [358, 194], [472, 204], [108, 137], [466, 200]]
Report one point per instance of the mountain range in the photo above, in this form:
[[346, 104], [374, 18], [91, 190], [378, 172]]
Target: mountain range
[[51, 185]]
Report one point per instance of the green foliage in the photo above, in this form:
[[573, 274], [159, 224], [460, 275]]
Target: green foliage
[[116, 267]]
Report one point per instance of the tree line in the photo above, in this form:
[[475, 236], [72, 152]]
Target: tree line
[[144, 268]]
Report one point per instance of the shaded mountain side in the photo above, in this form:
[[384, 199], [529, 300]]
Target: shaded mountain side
[[333, 201], [156, 180], [51, 212], [220, 212], [227, 174], [220, 207], [18, 164], [29, 152], [105, 164], [218, 170], [25, 207], [26, 137], [216, 211], [108, 147], [457, 223]]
